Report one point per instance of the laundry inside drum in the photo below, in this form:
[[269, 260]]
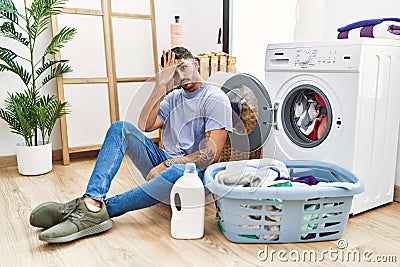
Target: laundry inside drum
[[310, 114]]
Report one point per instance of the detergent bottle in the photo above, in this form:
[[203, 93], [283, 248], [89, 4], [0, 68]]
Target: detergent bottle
[[187, 203]]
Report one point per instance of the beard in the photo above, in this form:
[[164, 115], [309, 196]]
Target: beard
[[187, 84]]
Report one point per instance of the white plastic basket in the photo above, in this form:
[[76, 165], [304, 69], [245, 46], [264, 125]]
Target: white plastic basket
[[285, 214]]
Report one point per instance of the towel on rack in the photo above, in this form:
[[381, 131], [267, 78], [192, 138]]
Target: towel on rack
[[385, 29]]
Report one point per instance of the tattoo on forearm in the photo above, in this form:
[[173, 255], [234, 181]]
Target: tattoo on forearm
[[202, 158], [205, 158]]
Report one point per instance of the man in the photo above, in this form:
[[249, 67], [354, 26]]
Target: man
[[195, 120]]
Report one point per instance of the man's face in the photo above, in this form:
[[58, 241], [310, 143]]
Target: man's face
[[184, 73]]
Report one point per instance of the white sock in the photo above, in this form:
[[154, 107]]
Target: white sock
[[92, 207]]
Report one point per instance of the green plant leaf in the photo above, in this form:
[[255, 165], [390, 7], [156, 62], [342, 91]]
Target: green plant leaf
[[17, 69], [19, 113], [9, 58], [10, 118], [8, 30], [49, 63], [65, 35], [41, 12], [42, 8], [49, 109], [59, 69], [8, 11], [7, 55]]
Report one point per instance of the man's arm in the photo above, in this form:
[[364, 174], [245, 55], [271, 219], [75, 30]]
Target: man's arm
[[213, 144], [148, 119]]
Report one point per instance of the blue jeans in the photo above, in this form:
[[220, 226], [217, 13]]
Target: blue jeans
[[122, 137]]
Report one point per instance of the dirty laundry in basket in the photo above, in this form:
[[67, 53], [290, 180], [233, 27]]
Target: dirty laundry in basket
[[285, 214]]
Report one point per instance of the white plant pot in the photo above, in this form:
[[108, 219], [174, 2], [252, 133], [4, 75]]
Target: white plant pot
[[34, 160]]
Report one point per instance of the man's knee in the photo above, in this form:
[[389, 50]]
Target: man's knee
[[120, 127]]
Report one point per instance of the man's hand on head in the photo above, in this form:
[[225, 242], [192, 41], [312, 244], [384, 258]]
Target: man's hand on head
[[167, 69]]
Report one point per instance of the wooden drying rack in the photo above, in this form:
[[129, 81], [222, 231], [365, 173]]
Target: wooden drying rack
[[111, 80]]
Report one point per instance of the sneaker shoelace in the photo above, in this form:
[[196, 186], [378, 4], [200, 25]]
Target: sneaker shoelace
[[76, 215], [68, 210]]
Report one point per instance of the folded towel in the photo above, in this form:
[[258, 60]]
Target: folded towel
[[255, 173], [264, 176], [259, 166], [385, 30], [395, 29], [367, 22]]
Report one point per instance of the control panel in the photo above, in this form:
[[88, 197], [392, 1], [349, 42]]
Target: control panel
[[314, 58], [305, 58]]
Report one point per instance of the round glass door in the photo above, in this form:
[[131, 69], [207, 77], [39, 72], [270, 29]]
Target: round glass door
[[306, 116], [252, 112]]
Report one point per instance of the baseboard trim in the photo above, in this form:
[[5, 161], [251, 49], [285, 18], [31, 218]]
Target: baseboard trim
[[396, 193], [10, 161]]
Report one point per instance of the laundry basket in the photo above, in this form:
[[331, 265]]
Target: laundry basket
[[285, 214]]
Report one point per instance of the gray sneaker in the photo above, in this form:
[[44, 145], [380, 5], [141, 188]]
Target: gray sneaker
[[80, 223], [49, 214]]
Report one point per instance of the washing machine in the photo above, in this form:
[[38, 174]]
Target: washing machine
[[334, 101]]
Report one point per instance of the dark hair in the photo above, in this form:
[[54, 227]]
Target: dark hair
[[180, 52]]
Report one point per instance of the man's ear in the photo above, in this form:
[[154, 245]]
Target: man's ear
[[196, 63]]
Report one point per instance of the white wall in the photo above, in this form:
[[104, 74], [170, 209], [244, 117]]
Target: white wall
[[202, 20], [319, 19], [255, 24]]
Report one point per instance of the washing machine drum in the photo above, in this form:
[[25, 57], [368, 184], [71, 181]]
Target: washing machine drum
[[252, 112]]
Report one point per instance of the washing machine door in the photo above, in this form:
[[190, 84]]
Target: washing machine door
[[252, 112]]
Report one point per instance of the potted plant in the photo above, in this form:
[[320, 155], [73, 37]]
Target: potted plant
[[30, 113]]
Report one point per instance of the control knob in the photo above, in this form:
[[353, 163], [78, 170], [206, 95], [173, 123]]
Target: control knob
[[304, 58]]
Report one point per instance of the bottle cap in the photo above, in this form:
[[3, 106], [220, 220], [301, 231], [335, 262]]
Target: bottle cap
[[190, 167]]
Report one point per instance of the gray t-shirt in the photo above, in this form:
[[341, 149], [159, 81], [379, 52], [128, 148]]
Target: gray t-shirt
[[187, 117]]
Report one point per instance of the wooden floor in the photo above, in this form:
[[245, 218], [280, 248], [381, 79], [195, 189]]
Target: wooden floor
[[142, 238]]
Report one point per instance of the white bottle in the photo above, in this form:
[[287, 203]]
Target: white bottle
[[187, 204]]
